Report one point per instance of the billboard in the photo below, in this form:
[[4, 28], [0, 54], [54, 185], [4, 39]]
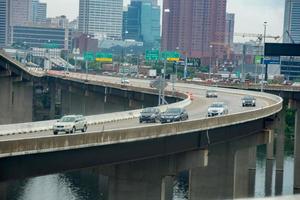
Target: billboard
[[283, 49]]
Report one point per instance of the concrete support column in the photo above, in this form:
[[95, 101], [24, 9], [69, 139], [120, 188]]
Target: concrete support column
[[6, 98], [217, 179], [269, 163], [297, 149], [280, 138], [3, 191], [241, 174], [252, 171], [22, 102], [52, 90], [167, 186]]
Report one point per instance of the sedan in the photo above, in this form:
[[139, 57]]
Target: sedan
[[174, 115], [248, 101], [217, 109], [149, 115], [211, 94]]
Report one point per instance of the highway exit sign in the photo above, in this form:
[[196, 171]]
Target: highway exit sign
[[104, 57], [152, 55], [171, 56], [89, 56]]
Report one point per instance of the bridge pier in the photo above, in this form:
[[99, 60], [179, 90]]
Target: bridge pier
[[296, 105], [269, 163], [226, 175], [252, 171], [151, 178], [280, 139], [6, 100], [3, 190]]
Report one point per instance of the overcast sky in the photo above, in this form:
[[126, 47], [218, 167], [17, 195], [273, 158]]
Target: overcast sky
[[250, 14]]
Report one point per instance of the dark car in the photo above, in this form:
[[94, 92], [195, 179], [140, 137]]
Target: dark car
[[174, 115], [149, 115], [248, 101]]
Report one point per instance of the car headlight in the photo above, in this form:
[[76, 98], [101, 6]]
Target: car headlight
[[244, 101], [177, 116], [253, 101]]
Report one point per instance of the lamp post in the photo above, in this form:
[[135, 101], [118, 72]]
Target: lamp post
[[210, 62], [262, 71]]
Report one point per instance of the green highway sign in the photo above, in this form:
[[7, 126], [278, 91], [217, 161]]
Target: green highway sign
[[152, 55], [88, 56], [170, 56], [258, 59], [50, 46], [104, 57]]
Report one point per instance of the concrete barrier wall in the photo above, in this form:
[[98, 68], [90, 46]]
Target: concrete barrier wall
[[31, 127], [65, 142]]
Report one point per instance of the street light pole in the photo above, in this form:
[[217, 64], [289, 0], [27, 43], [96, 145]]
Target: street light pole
[[210, 61], [86, 70], [262, 71]]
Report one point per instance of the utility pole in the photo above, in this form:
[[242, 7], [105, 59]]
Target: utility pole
[[210, 61], [262, 82], [185, 66]]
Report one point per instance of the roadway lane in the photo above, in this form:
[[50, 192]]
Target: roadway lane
[[197, 109]]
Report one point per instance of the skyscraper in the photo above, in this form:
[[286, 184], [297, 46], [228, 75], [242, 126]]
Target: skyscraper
[[102, 18], [133, 21], [229, 29], [153, 2], [20, 12], [291, 29], [3, 22], [192, 26], [39, 11]]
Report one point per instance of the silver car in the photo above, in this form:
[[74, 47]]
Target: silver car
[[217, 109], [211, 94], [70, 124]]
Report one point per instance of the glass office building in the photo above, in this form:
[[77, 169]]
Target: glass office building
[[3, 22], [35, 36], [102, 18]]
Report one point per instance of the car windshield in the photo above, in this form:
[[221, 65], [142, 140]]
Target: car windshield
[[173, 110], [67, 119], [248, 98], [217, 105], [148, 110]]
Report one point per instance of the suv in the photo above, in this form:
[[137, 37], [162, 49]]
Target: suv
[[173, 115], [70, 124], [216, 109], [150, 115], [248, 101], [211, 94]]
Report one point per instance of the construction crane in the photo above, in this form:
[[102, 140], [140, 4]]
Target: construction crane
[[226, 46], [258, 36]]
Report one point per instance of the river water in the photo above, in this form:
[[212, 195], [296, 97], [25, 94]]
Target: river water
[[85, 186]]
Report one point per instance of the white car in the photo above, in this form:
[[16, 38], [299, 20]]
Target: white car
[[70, 124], [217, 109], [125, 81], [211, 94]]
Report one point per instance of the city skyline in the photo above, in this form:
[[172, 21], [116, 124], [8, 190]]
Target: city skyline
[[271, 11]]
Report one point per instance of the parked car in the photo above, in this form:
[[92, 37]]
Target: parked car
[[211, 94], [173, 115], [70, 124], [150, 115], [217, 109], [248, 101]]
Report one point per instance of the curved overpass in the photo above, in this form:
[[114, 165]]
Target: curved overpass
[[115, 142]]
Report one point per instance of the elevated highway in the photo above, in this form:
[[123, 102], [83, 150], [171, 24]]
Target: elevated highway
[[112, 142]]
